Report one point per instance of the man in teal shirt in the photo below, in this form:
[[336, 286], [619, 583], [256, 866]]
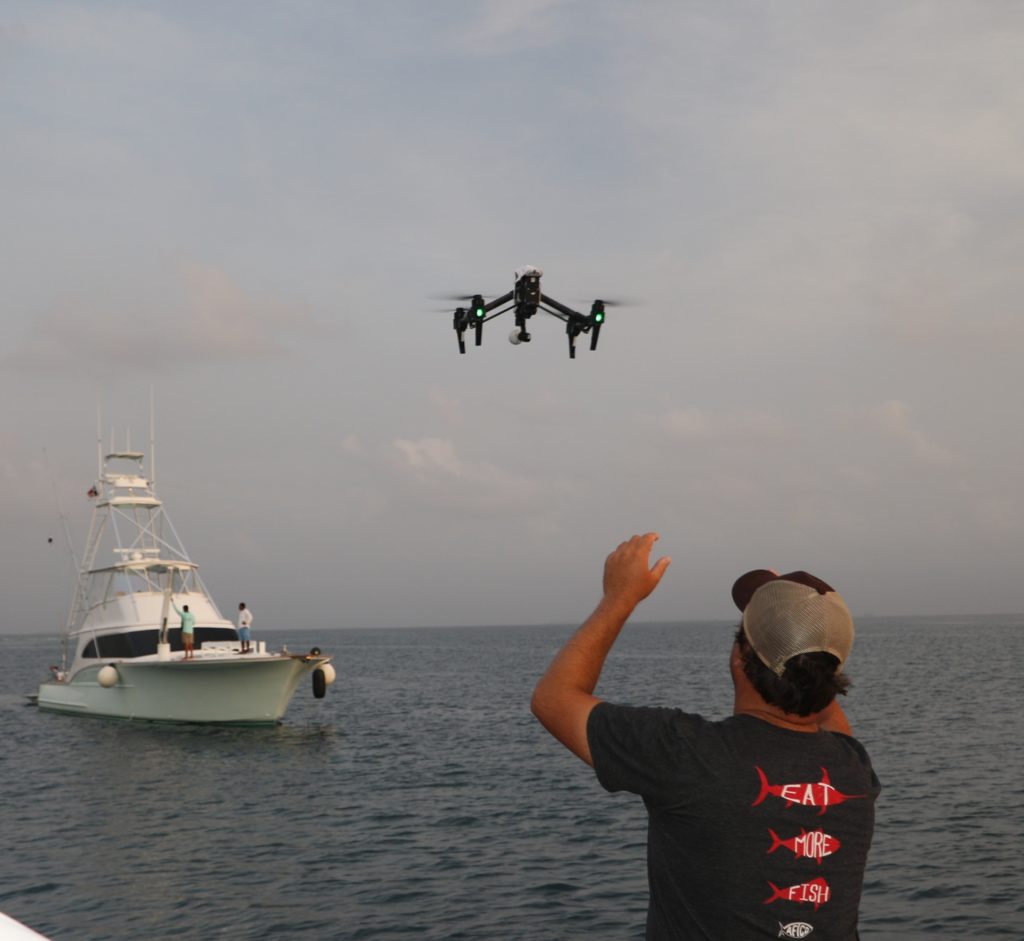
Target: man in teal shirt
[[188, 626]]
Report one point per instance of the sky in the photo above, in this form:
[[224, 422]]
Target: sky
[[251, 209]]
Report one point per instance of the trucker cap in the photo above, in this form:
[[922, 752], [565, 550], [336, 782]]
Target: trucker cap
[[787, 615]]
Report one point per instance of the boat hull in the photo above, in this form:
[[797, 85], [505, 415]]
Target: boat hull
[[247, 690]]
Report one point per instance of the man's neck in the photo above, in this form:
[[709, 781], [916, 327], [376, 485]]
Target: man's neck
[[784, 720], [749, 702]]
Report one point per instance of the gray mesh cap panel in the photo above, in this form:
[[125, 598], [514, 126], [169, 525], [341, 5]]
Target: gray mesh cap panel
[[784, 619]]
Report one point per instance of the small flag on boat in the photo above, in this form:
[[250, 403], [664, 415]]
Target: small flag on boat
[[93, 492]]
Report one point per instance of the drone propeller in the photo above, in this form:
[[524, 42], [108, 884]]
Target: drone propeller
[[615, 301], [457, 297]]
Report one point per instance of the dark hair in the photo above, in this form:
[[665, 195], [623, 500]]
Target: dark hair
[[808, 684]]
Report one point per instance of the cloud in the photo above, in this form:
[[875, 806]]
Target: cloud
[[123, 36], [684, 423], [449, 407], [432, 454], [893, 420], [441, 478], [204, 316], [690, 422], [818, 203], [351, 444], [502, 27]]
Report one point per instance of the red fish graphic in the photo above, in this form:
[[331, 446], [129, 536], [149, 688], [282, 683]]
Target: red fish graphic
[[816, 891], [814, 845], [820, 794]]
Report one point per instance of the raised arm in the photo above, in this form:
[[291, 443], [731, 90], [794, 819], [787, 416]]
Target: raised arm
[[564, 696]]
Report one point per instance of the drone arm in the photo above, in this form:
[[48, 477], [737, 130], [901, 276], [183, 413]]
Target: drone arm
[[487, 308], [496, 314], [498, 301], [566, 312], [554, 313]]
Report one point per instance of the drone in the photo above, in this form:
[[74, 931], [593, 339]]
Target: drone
[[526, 299]]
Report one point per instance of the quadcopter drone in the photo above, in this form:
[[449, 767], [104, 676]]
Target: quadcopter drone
[[526, 299]]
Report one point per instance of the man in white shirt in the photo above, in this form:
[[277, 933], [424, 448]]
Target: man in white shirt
[[244, 623]]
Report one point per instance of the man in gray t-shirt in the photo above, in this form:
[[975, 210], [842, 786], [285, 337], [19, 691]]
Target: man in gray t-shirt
[[759, 825]]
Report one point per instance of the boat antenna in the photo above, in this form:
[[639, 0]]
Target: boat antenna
[[152, 439], [99, 443]]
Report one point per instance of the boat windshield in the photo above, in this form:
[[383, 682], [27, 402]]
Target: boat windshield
[[143, 643]]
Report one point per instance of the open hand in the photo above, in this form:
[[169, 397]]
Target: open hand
[[628, 575]]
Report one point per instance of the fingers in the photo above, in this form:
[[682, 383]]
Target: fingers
[[638, 543], [643, 545], [628, 572]]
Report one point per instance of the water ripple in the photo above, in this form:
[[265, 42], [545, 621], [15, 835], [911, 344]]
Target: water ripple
[[421, 800]]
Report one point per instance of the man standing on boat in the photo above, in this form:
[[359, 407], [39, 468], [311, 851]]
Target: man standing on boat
[[188, 626], [758, 824], [244, 623]]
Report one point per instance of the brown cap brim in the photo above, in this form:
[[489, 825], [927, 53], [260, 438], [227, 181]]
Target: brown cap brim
[[744, 587]]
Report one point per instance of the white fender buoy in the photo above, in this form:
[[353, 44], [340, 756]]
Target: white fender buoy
[[319, 683], [107, 676], [329, 674]]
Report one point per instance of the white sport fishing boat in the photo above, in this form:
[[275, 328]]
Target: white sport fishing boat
[[122, 654]]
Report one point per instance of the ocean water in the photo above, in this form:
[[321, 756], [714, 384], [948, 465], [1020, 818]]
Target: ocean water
[[421, 800]]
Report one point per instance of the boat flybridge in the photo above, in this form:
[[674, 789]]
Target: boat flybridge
[[122, 653]]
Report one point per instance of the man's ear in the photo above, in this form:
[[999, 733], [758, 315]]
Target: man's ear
[[736, 660]]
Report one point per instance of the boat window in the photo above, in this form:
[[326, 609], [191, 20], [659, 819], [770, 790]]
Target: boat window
[[143, 643], [134, 644]]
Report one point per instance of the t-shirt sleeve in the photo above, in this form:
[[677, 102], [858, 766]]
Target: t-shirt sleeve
[[638, 748]]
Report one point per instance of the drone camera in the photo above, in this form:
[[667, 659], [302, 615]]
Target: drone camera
[[518, 336]]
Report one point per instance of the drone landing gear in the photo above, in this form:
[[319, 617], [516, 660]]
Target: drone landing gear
[[572, 330], [460, 321]]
